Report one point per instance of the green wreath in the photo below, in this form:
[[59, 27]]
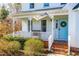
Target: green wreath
[[63, 24]]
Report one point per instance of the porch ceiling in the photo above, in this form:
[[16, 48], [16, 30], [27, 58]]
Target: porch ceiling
[[65, 17]]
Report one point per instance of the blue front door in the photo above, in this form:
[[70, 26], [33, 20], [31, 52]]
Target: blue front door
[[61, 29]]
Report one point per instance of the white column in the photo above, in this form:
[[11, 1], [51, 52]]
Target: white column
[[30, 18], [53, 25], [69, 31], [13, 26], [53, 30], [51, 37], [25, 25]]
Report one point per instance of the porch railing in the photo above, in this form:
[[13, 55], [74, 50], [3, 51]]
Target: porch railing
[[46, 36], [42, 35], [50, 41]]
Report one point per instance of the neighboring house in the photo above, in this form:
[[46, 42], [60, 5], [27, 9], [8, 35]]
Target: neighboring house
[[50, 21]]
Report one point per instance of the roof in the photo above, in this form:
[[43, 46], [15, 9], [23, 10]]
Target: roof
[[43, 9], [77, 6], [70, 6]]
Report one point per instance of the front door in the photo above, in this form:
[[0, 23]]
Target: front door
[[61, 29]]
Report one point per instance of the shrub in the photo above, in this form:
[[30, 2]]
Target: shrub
[[3, 44], [15, 38], [14, 46], [4, 47], [9, 47], [33, 46], [8, 38]]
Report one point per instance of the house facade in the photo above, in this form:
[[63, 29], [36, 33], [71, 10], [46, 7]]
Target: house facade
[[50, 22]]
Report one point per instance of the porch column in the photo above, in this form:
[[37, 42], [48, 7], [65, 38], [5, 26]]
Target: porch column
[[30, 18], [13, 26], [53, 25], [51, 38]]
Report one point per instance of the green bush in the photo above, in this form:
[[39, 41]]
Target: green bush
[[33, 46], [9, 47], [12, 38], [15, 38], [3, 45], [8, 38], [14, 46]]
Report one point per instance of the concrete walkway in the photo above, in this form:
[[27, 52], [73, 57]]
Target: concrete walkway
[[55, 55]]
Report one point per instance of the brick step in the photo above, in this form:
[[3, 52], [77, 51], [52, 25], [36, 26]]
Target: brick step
[[60, 45], [63, 47], [60, 48], [59, 52]]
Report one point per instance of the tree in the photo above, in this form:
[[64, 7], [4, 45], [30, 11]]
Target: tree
[[3, 25], [3, 13], [17, 6]]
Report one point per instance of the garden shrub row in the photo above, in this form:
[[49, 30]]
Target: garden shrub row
[[9, 47], [30, 46], [15, 38]]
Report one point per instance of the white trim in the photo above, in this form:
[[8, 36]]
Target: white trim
[[38, 13]]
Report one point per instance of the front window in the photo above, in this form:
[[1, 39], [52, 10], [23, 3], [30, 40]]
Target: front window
[[29, 25], [43, 25], [46, 4], [31, 5], [63, 3]]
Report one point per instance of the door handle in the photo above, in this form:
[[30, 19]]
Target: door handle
[[59, 29]]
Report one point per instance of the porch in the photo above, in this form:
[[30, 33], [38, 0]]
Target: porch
[[47, 31]]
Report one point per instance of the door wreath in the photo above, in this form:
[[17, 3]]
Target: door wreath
[[63, 24]]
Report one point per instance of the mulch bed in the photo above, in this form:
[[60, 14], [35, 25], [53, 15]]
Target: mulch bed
[[74, 51]]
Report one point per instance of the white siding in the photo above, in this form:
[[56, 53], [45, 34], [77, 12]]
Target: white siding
[[77, 28], [49, 25], [73, 29], [25, 25], [26, 6]]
